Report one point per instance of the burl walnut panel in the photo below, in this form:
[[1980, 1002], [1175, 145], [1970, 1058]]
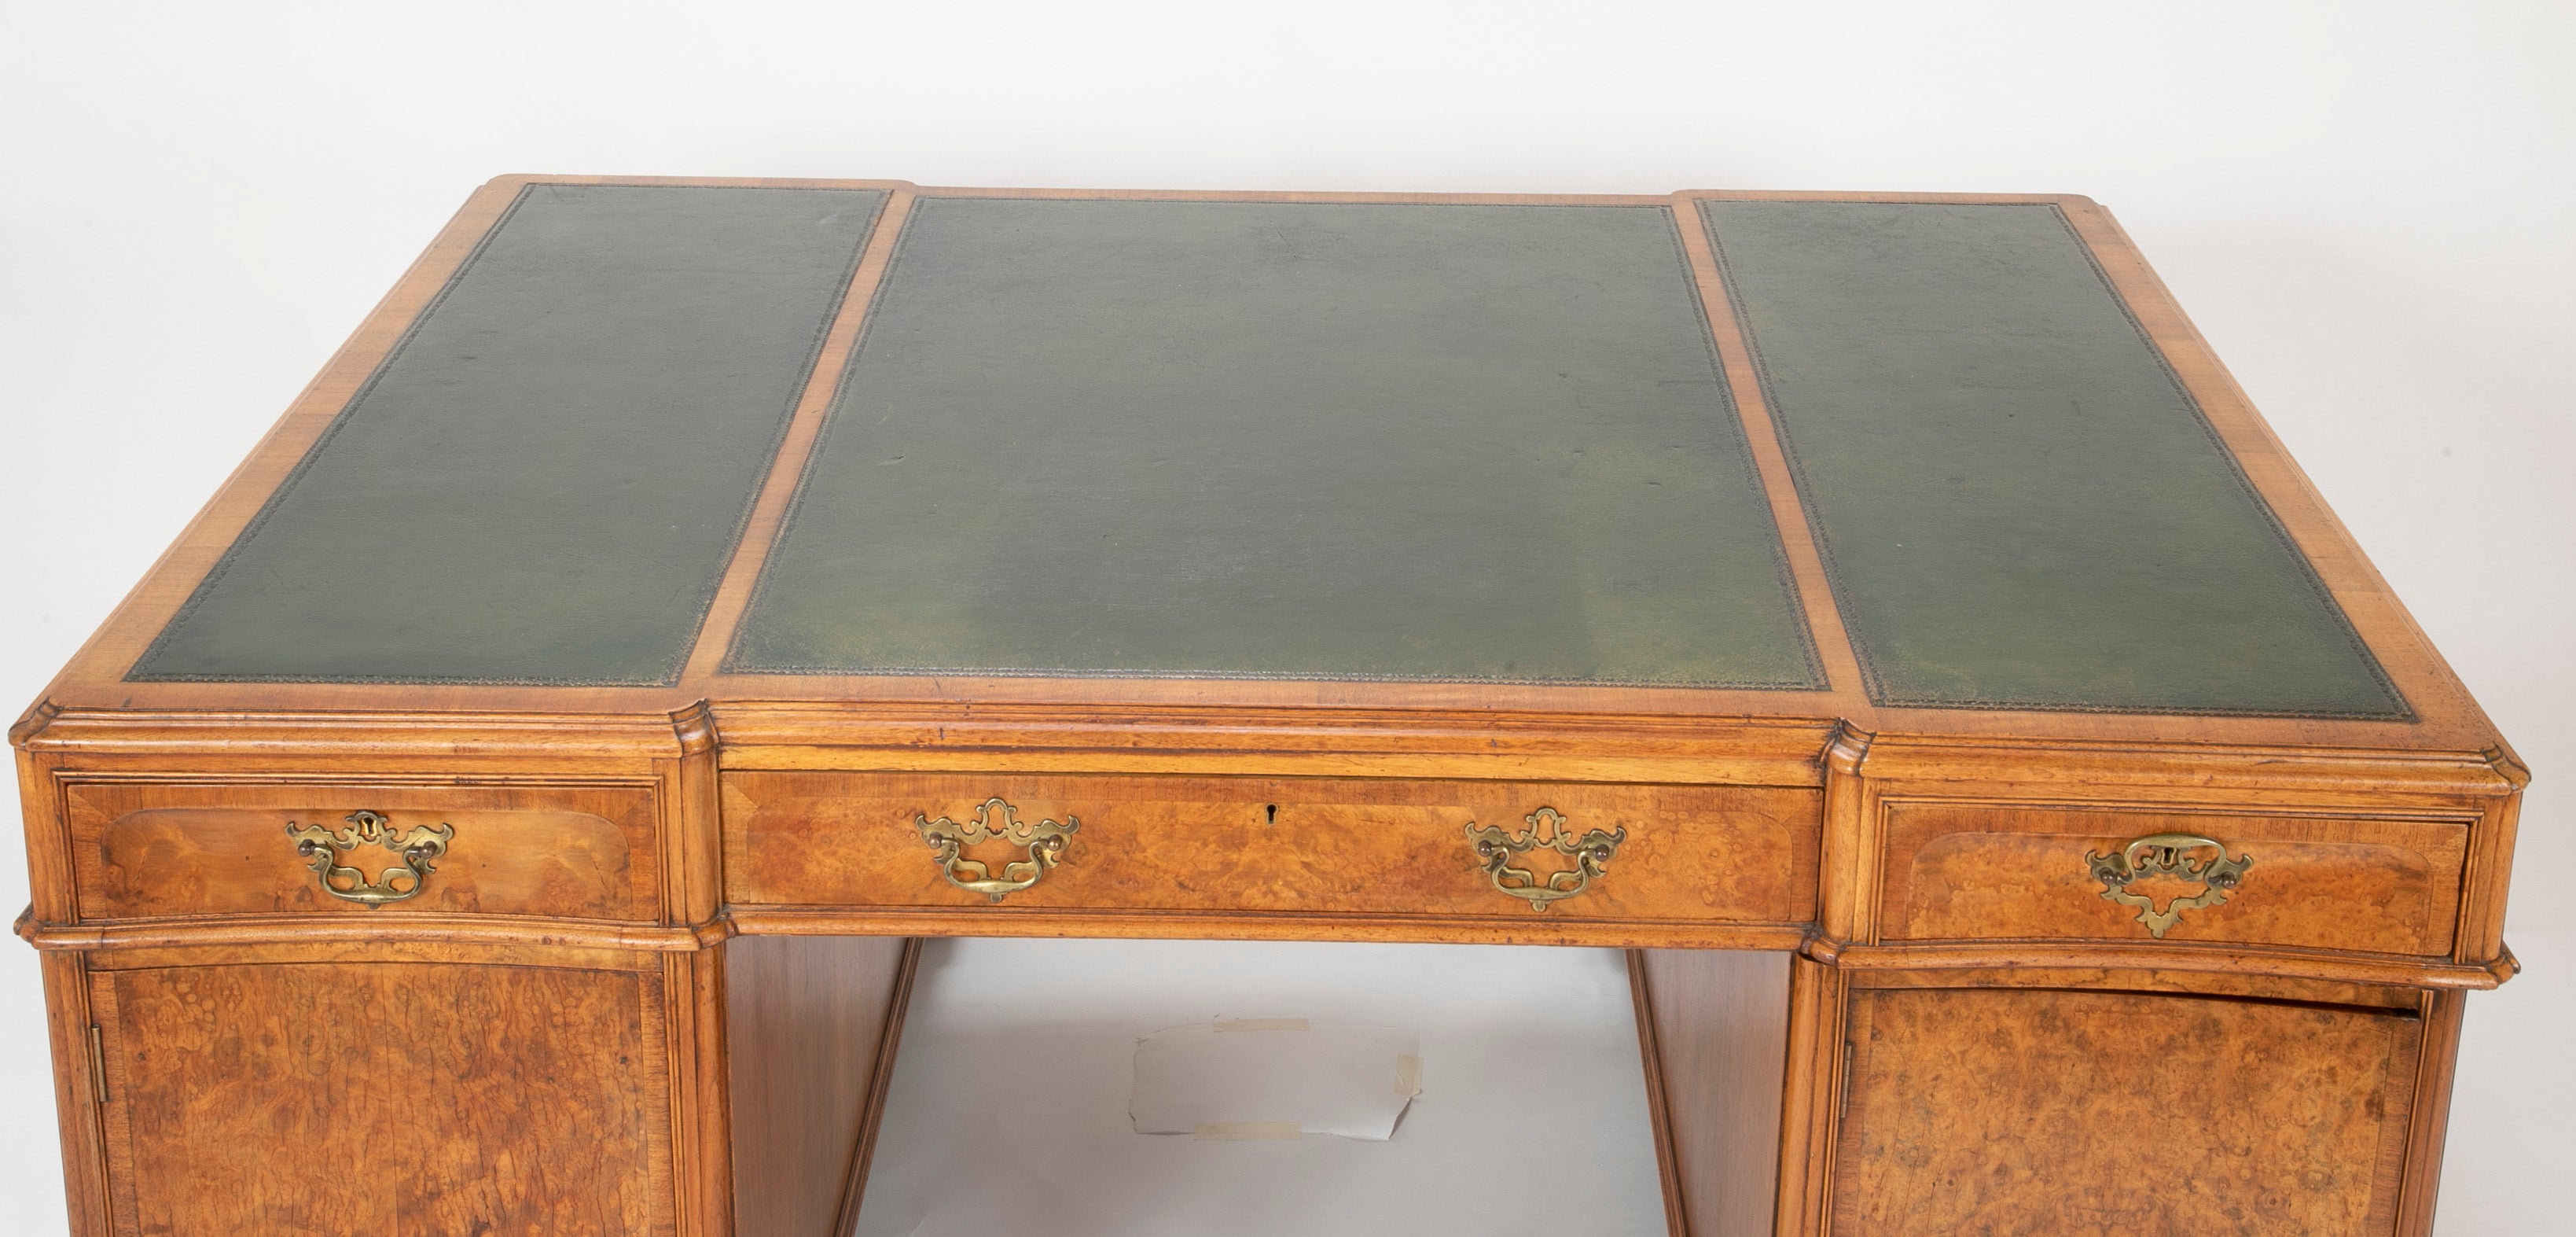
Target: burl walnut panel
[[1988, 871], [1740, 854], [2073, 1114], [148, 849], [387, 1099]]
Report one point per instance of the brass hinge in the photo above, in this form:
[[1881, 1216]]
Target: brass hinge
[[1842, 1092], [97, 1064]]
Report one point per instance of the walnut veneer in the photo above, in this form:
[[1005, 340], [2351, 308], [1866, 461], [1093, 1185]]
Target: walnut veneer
[[2028, 809]]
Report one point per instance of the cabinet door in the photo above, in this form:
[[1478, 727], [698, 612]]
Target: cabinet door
[[385, 1099], [2006, 1111]]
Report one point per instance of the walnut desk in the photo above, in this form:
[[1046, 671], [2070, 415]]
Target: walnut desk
[[506, 807]]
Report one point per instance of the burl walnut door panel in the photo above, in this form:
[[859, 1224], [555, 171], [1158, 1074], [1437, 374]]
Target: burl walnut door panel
[[384, 1099], [2000, 1111]]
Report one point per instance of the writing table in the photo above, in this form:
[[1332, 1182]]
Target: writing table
[[507, 806]]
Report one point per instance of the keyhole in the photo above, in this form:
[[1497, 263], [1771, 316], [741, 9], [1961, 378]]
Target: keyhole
[[1273, 810]]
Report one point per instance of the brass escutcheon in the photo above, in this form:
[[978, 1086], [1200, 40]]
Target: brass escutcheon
[[2161, 854], [1591, 852], [420, 846], [1042, 842]]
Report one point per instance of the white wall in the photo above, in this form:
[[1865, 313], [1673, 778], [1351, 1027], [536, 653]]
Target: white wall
[[2364, 206]]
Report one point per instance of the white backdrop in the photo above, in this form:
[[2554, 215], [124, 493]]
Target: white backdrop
[[2363, 205]]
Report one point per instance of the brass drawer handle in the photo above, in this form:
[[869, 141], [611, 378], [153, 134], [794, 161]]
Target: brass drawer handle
[[2161, 854], [1043, 843], [420, 847], [1591, 852]]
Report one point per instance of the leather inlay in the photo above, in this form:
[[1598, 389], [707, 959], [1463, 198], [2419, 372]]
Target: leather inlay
[[1266, 439], [543, 482], [2018, 503]]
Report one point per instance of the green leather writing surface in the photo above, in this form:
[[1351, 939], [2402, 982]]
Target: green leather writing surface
[[544, 481], [1283, 439], [2018, 503]]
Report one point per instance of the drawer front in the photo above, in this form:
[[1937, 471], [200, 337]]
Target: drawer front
[[159, 849], [1737, 854], [1992, 871]]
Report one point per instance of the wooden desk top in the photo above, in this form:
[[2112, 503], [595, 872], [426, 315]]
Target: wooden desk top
[[1891, 581], [1926, 464]]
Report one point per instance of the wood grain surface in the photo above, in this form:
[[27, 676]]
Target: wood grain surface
[[1322, 847], [2378, 885], [2180, 983], [145, 849], [2100, 1113], [807, 1022], [1721, 1026], [262, 1099]]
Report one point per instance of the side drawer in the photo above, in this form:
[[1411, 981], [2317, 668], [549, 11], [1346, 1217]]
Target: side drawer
[[149, 849], [1738, 854], [2376, 884]]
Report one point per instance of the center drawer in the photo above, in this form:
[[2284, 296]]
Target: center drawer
[[1708, 853]]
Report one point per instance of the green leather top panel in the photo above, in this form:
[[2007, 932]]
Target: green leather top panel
[[2018, 503], [545, 479], [1330, 440]]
